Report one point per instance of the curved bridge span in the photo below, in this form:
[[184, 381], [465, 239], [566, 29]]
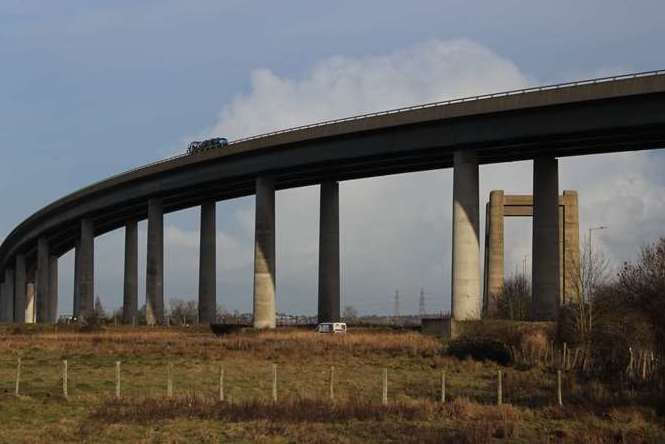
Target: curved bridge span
[[595, 116]]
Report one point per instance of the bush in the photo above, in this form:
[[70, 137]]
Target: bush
[[481, 349], [515, 299]]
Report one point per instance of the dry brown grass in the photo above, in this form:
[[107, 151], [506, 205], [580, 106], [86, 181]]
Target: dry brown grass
[[302, 413], [200, 343]]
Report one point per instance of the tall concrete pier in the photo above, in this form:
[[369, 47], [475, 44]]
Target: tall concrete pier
[[329, 302], [19, 289], [494, 252], [208, 264], [42, 281], [264, 255], [76, 309], [545, 265], [515, 205], [3, 300], [53, 289], [569, 247], [8, 296], [466, 301], [130, 298], [86, 269], [155, 264]]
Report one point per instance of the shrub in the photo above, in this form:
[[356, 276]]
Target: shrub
[[481, 349]]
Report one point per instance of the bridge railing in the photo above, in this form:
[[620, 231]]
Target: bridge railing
[[423, 106]]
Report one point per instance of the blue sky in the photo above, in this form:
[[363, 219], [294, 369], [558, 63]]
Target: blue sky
[[89, 89]]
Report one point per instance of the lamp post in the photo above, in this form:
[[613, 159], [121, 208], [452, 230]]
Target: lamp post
[[591, 230]]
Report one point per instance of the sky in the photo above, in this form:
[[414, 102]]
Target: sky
[[91, 89]]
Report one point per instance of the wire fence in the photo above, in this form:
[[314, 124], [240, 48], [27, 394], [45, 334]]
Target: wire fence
[[232, 381]]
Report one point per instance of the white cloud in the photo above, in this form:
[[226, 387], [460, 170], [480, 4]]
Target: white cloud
[[342, 86]]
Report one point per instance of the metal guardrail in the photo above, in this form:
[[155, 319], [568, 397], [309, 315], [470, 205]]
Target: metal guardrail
[[417, 107]]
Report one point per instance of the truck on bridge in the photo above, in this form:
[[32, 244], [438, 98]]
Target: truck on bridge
[[210, 144]]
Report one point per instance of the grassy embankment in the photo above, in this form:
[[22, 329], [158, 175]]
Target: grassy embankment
[[414, 364]]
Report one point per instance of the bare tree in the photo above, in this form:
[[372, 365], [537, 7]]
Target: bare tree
[[514, 301], [184, 312], [100, 313], [350, 313], [591, 274], [643, 285]]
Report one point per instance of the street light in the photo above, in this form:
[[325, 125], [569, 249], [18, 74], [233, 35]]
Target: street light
[[591, 230]]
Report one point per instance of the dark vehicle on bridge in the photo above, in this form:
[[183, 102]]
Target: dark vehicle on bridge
[[206, 145]]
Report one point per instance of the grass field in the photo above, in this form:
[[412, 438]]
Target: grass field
[[303, 412]]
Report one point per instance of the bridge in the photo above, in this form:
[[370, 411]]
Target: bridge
[[622, 113]]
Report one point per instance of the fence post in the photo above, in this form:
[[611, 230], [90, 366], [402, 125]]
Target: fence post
[[385, 386], [499, 389], [274, 382], [563, 356], [64, 380], [443, 386], [117, 379], [558, 388], [169, 383], [221, 383], [18, 376], [332, 383]]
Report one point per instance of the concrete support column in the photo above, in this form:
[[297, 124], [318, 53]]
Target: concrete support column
[[30, 309], [131, 277], [329, 302], [264, 255], [155, 264], [53, 289], [569, 239], [86, 269], [8, 296], [76, 309], [494, 253], [208, 264], [19, 289], [42, 281], [466, 300], [545, 264], [3, 303]]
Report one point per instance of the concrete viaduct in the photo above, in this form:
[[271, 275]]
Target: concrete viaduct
[[622, 113]]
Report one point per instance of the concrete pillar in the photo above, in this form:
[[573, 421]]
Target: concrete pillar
[[264, 255], [545, 262], [131, 283], [466, 300], [76, 309], [86, 269], [494, 252], [569, 234], [42, 281], [8, 296], [30, 309], [53, 289], [155, 264], [329, 303], [208, 264], [3, 295], [19, 289]]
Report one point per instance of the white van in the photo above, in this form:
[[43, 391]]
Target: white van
[[334, 328]]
